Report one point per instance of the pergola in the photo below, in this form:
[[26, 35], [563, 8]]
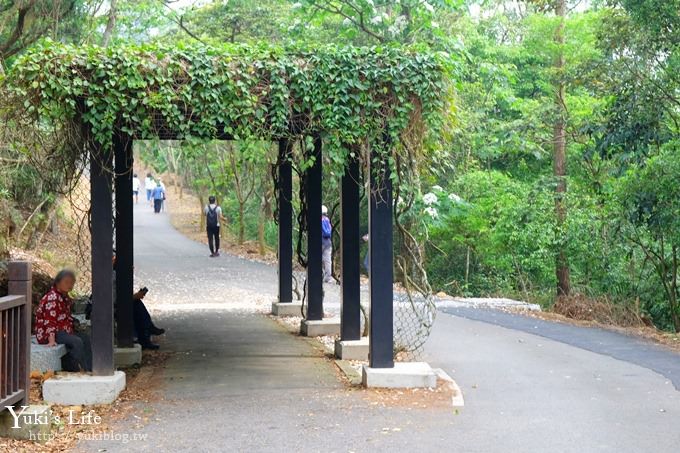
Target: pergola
[[351, 99]]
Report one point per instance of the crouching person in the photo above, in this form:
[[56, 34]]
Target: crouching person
[[144, 326], [54, 324]]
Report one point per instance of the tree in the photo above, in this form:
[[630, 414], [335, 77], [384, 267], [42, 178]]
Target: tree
[[243, 174], [238, 21], [130, 20], [23, 22], [382, 21], [110, 23], [560, 152], [650, 197]]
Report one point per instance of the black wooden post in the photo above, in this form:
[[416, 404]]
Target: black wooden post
[[285, 210], [381, 347], [124, 241], [313, 177], [350, 317], [102, 245]]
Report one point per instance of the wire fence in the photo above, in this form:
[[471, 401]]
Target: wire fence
[[414, 315], [75, 222]]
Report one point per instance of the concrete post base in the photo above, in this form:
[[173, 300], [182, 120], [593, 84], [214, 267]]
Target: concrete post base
[[352, 349], [330, 326], [75, 389], [287, 308], [403, 375], [34, 423], [127, 357]]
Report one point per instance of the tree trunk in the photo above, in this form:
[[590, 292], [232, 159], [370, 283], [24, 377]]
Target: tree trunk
[[202, 225], [260, 235], [241, 223], [110, 24], [467, 267], [675, 308], [559, 155]]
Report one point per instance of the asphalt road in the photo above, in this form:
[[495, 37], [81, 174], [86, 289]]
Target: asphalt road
[[237, 382], [525, 392]]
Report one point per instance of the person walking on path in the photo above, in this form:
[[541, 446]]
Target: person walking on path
[[164, 193], [149, 185], [326, 245], [158, 197], [213, 213], [135, 187]]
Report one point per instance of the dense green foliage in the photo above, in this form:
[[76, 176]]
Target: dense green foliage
[[242, 92], [482, 189]]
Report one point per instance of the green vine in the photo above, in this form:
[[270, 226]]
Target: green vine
[[351, 95], [380, 103]]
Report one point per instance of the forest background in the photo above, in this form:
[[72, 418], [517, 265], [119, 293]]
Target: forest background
[[555, 180]]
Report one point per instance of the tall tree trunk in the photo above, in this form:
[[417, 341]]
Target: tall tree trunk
[[241, 222], [201, 200], [110, 23], [260, 227], [559, 154], [675, 307]]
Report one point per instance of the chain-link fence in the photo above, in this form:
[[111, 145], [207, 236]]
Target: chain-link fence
[[75, 226], [414, 316]]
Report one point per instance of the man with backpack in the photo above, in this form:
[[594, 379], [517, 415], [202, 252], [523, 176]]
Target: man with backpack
[[212, 222], [326, 245]]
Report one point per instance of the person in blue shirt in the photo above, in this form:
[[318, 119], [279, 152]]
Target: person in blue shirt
[[326, 245], [158, 197]]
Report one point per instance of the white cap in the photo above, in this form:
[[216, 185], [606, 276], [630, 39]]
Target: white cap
[[324, 209]]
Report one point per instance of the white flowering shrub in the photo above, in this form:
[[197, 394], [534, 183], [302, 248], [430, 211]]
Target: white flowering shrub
[[429, 199], [432, 212]]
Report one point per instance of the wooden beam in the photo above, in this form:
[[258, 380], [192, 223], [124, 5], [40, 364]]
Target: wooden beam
[[313, 177], [285, 214], [381, 349], [101, 231], [350, 315], [124, 242]]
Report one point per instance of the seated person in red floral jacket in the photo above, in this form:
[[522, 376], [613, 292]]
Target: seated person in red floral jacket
[[54, 324]]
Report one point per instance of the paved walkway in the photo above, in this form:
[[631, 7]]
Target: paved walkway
[[528, 393], [631, 349], [237, 382]]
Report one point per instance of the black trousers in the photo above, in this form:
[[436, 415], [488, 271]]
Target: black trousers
[[157, 205], [214, 239], [79, 355], [143, 322]]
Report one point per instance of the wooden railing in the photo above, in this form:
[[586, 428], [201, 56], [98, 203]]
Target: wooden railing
[[15, 337]]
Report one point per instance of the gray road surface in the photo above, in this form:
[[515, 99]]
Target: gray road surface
[[237, 382]]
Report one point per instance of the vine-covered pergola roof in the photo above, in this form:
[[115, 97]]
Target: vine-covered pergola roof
[[240, 92], [93, 102]]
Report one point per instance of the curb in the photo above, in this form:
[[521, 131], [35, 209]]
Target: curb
[[457, 401], [349, 371]]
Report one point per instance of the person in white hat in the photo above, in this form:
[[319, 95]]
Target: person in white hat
[[326, 245]]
